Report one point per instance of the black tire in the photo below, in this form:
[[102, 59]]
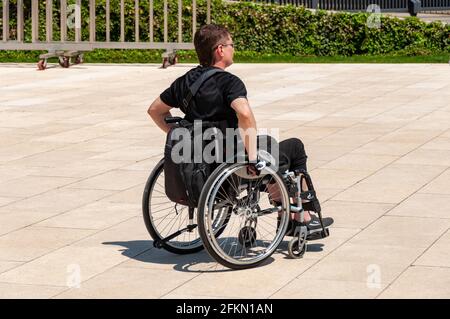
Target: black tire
[[152, 228], [42, 64], [165, 63], [64, 62], [204, 232], [173, 60], [293, 249], [78, 59]]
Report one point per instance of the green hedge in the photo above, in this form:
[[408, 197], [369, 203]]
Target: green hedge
[[268, 29], [298, 31]]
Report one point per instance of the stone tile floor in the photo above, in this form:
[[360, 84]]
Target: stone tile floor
[[76, 147]]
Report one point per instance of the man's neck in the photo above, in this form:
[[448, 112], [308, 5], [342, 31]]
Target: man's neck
[[220, 65]]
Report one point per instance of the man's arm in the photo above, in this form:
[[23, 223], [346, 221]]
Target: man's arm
[[247, 126], [158, 111]]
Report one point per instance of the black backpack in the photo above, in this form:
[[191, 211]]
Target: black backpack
[[184, 181]]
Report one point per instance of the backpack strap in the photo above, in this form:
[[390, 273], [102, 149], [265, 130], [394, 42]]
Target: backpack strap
[[197, 84]]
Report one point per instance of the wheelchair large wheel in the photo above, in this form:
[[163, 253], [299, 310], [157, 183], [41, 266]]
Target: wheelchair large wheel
[[252, 232], [164, 218]]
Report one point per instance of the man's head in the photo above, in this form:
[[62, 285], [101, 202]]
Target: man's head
[[213, 45]]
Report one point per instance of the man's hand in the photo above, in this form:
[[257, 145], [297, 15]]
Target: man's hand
[[254, 169]]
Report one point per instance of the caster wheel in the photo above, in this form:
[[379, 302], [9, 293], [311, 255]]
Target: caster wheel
[[166, 63], [173, 60], [294, 249], [64, 62], [42, 65], [247, 236], [78, 59]]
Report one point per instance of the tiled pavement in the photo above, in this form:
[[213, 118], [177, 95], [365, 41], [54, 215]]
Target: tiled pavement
[[76, 147]]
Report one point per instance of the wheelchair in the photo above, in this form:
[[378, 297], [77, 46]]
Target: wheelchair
[[240, 219]]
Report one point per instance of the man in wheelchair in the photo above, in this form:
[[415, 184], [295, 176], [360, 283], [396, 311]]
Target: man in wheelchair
[[208, 93]]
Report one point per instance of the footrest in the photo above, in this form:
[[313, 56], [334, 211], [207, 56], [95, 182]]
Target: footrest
[[318, 234]]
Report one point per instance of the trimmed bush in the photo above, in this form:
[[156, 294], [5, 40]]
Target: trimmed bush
[[264, 29], [298, 31]]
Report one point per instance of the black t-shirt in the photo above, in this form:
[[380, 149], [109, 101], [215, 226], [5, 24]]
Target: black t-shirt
[[212, 101]]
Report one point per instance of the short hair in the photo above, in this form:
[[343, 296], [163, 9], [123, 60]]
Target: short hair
[[206, 40]]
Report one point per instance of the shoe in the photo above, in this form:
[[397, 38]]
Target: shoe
[[312, 225], [315, 224], [315, 228]]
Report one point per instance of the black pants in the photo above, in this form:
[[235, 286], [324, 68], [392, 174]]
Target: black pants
[[292, 155], [291, 152]]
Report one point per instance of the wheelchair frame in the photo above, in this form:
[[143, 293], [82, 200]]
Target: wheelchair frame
[[291, 182]]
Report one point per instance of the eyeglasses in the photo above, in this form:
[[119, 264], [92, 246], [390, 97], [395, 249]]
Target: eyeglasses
[[224, 45], [230, 44]]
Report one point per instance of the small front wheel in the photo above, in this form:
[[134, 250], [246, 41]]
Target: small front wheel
[[64, 61], [165, 63], [296, 249], [42, 64], [78, 59], [173, 59]]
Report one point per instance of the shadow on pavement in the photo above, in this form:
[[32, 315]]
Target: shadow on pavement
[[282, 249], [143, 251], [199, 262]]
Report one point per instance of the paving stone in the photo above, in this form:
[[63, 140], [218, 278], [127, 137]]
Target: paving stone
[[305, 288], [354, 214], [438, 255], [439, 185], [424, 205], [129, 283], [32, 242], [64, 267], [361, 162], [420, 283], [117, 180], [14, 220], [15, 291], [7, 265], [246, 283], [56, 201], [392, 184], [98, 215], [74, 159], [389, 230], [6, 200], [337, 178], [425, 157], [32, 185]]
